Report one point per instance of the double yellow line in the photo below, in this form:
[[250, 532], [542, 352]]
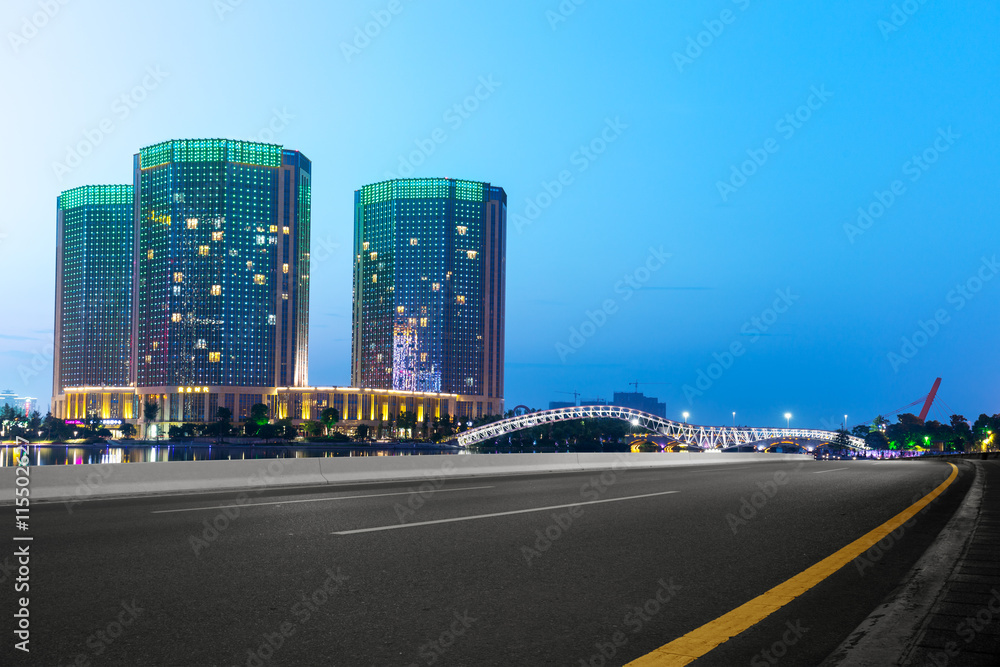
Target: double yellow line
[[697, 643]]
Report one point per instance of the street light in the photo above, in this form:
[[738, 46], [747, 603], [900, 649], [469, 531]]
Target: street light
[[734, 420], [686, 414], [788, 419], [845, 422]]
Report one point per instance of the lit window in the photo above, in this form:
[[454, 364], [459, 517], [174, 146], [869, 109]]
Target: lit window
[[192, 223], [436, 287], [374, 277], [156, 345], [149, 254], [274, 229], [175, 317], [364, 246], [373, 256], [271, 319], [249, 266], [177, 290], [203, 250], [414, 241], [460, 299], [259, 278], [287, 230], [260, 239], [471, 254], [400, 309], [178, 277], [462, 230], [423, 356], [201, 344], [423, 321], [217, 236], [412, 321], [284, 268], [216, 290], [214, 357], [284, 296], [149, 358]]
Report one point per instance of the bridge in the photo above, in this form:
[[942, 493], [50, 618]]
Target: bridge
[[709, 437]]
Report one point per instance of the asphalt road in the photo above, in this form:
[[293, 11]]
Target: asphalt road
[[280, 579]]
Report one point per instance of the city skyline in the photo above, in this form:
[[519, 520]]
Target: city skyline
[[823, 216]]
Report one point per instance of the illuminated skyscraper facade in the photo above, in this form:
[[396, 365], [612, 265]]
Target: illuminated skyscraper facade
[[93, 309], [222, 255], [429, 279]]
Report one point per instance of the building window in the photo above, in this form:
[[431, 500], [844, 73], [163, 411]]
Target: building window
[[175, 317], [374, 277], [249, 266], [364, 246], [192, 223], [149, 254], [216, 290], [423, 356], [462, 230], [373, 256], [274, 229], [460, 299], [284, 296], [203, 250], [202, 344], [414, 241], [436, 287], [217, 236], [156, 345], [178, 277], [286, 230], [423, 321], [471, 254], [214, 357], [149, 358], [259, 278], [271, 319], [400, 309], [284, 268]]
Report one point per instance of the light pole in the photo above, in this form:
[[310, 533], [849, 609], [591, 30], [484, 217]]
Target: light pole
[[686, 414], [734, 420], [788, 420]]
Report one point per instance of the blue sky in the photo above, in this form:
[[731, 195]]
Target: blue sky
[[669, 126]]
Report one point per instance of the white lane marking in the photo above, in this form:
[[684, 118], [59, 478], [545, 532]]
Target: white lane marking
[[488, 516], [315, 500], [820, 472]]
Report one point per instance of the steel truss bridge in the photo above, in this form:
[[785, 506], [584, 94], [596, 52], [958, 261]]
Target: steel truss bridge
[[709, 437]]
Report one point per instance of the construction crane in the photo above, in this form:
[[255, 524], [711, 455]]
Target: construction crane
[[636, 385], [575, 394]]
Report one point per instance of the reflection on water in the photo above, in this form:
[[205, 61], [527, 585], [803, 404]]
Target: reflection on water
[[78, 455]]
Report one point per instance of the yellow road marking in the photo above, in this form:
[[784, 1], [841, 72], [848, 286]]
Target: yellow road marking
[[700, 641]]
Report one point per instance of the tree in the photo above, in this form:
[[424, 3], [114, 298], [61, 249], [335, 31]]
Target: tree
[[128, 430], [150, 410], [174, 432], [222, 426], [329, 417], [861, 430], [876, 440], [362, 432], [842, 441], [267, 431], [283, 428], [313, 428], [93, 422], [103, 433], [407, 421]]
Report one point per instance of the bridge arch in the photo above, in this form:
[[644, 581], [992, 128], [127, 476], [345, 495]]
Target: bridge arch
[[709, 437]]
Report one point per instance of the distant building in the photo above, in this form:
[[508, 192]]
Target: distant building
[[638, 401], [555, 405], [593, 402], [429, 274], [23, 404]]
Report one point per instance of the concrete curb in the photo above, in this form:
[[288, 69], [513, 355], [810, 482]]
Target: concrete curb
[[889, 632], [76, 483]]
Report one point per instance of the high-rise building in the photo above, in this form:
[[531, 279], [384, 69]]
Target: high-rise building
[[429, 279], [639, 401], [222, 260], [93, 309]]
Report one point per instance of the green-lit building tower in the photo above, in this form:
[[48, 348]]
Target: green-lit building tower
[[429, 279], [222, 274], [93, 305]]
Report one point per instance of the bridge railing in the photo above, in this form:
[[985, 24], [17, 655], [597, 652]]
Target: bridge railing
[[705, 436]]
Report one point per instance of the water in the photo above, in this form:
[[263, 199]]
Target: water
[[84, 454]]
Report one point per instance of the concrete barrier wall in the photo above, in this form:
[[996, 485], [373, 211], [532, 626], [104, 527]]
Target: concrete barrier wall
[[82, 482]]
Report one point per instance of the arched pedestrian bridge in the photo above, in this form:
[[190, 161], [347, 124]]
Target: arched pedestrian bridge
[[709, 437]]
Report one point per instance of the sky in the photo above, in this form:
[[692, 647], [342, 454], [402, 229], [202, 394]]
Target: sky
[[752, 207]]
